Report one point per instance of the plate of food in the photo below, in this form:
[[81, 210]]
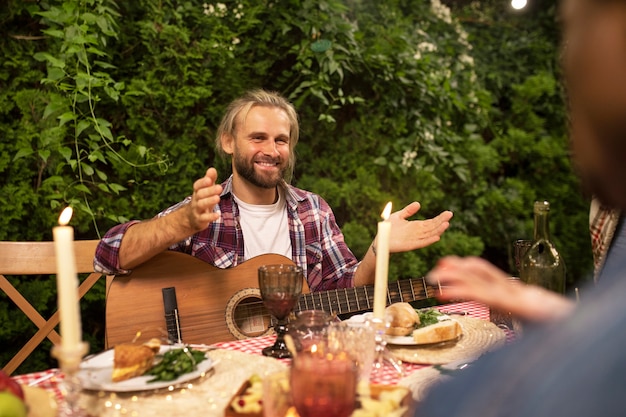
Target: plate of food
[[141, 367], [410, 327]]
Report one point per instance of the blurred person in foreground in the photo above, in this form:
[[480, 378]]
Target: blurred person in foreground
[[575, 364], [256, 211]]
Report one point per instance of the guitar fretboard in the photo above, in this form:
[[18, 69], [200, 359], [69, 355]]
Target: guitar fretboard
[[349, 300]]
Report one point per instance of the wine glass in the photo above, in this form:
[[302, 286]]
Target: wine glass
[[281, 286]]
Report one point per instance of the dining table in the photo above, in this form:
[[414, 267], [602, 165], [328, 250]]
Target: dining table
[[234, 362]]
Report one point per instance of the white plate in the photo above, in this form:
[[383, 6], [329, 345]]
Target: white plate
[[95, 374], [361, 319], [400, 340]]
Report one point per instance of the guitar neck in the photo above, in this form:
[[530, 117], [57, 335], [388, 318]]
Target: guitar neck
[[352, 300]]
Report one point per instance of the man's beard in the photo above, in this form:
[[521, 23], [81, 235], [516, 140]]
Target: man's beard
[[246, 170]]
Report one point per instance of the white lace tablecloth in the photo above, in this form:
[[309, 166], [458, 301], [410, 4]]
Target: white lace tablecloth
[[205, 397]]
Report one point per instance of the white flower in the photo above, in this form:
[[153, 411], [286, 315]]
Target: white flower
[[441, 11], [236, 41], [467, 60], [408, 157], [426, 47], [429, 136]]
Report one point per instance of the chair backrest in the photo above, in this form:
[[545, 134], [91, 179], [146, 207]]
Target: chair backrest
[[37, 258]]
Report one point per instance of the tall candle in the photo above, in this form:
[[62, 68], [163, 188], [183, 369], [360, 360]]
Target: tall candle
[[67, 282], [382, 263]]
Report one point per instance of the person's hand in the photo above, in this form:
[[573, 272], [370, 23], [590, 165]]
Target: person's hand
[[470, 278], [415, 234], [476, 279], [206, 194]]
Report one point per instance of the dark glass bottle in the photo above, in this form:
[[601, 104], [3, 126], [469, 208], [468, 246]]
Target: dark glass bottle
[[542, 264]]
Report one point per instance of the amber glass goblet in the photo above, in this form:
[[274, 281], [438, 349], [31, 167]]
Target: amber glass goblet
[[281, 286]]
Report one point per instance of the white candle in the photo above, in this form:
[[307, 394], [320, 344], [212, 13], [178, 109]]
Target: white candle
[[382, 264], [67, 282]]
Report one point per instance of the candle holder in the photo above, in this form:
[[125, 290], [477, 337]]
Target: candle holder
[[382, 352], [69, 362]]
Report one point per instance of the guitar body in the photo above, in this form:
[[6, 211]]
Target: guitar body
[[214, 304], [217, 305]]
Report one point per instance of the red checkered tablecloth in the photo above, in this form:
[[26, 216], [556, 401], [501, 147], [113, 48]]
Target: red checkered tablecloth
[[387, 375], [51, 379]]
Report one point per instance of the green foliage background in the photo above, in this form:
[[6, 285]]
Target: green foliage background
[[112, 108]]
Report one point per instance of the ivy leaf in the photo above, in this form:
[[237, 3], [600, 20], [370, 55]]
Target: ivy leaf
[[87, 169], [57, 104], [101, 175], [55, 33], [83, 188], [66, 153], [44, 154], [81, 126], [55, 73], [116, 188], [66, 117], [45, 56], [21, 153]]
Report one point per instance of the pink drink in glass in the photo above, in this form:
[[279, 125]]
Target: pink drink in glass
[[323, 384]]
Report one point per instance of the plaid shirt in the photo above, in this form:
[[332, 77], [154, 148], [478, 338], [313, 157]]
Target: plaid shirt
[[603, 223], [317, 242]]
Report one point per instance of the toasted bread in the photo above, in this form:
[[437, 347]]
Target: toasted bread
[[404, 318], [439, 332], [130, 360]]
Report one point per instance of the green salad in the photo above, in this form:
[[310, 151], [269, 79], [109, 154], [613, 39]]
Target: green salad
[[428, 316], [175, 363]]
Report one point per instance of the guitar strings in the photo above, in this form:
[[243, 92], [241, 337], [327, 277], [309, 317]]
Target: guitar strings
[[338, 301]]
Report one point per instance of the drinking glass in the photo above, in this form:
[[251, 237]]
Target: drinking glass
[[310, 329], [323, 384], [276, 394], [281, 286], [358, 341], [520, 247]]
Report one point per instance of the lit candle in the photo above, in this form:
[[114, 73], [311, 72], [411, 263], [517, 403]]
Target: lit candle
[[382, 263], [67, 282]]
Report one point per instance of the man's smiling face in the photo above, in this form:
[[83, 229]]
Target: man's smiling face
[[261, 147]]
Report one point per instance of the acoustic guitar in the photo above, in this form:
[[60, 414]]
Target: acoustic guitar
[[182, 298]]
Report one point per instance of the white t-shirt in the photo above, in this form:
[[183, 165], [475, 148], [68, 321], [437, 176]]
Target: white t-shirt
[[265, 228]]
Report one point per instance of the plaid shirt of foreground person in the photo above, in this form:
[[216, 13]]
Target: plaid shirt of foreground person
[[603, 222], [317, 242]]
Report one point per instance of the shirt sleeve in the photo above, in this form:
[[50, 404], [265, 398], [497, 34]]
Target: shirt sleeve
[[107, 257]]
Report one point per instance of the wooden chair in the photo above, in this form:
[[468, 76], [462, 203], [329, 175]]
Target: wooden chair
[[38, 258]]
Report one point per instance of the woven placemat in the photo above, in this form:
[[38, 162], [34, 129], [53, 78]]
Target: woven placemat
[[421, 381], [479, 336]]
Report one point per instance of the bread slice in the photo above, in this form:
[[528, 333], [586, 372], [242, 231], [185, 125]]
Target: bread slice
[[403, 319], [131, 360], [442, 331]]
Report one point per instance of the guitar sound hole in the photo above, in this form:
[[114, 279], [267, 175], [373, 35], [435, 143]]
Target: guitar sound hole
[[251, 318]]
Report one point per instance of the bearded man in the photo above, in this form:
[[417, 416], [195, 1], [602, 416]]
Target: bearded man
[[256, 211]]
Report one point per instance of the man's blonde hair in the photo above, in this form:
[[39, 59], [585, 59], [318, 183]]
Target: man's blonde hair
[[244, 104]]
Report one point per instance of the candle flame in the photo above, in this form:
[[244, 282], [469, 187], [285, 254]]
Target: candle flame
[[386, 212], [65, 216]]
